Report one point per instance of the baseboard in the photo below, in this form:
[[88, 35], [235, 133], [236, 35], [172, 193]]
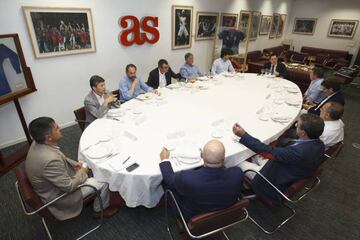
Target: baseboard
[[23, 139]]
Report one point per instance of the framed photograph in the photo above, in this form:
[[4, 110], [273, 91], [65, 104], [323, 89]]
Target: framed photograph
[[60, 31], [304, 26], [342, 28], [244, 21], [274, 25], [229, 20], [281, 25], [255, 23], [15, 77], [206, 24], [265, 24], [181, 26]]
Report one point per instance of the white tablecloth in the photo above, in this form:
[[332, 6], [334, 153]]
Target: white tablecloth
[[185, 118]]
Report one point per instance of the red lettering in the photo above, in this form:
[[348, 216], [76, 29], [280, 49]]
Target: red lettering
[[150, 29]]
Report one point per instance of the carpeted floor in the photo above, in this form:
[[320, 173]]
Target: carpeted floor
[[331, 212]]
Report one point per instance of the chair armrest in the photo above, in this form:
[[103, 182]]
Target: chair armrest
[[81, 121]]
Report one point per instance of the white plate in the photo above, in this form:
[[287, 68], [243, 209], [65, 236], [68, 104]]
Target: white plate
[[116, 112], [293, 102], [173, 86], [271, 76], [280, 118], [146, 96], [99, 151], [104, 138], [292, 90], [203, 87], [264, 117], [217, 134], [204, 78], [227, 74], [189, 160], [159, 98], [278, 100]]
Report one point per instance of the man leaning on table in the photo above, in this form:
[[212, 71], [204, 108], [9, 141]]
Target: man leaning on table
[[290, 163], [222, 64], [188, 70], [161, 76], [209, 188], [274, 66], [98, 101], [131, 86], [51, 173]]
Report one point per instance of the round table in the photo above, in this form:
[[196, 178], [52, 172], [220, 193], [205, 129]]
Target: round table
[[186, 118]]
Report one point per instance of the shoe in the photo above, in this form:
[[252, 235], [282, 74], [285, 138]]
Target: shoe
[[107, 212]]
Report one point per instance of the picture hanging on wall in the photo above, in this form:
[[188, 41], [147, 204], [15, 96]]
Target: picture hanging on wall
[[181, 26], [229, 20], [281, 26], [15, 77], [206, 24], [304, 26], [60, 31], [265, 24], [342, 28], [274, 25], [244, 21], [255, 23]]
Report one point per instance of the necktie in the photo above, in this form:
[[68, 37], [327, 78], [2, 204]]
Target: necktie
[[272, 69]]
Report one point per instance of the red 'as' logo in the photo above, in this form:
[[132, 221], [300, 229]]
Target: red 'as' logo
[[148, 25]]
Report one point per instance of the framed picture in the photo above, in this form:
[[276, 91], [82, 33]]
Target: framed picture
[[206, 24], [181, 26], [244, 21], [229, 20], [60, 31], [265, 24], [15, 77], [304, 26], [255, 23], [274, 25], [342, 28], [281, 25]]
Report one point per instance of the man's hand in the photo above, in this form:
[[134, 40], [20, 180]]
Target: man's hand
[[238, 130], [78, 165], [308, 106], [191, 80], [165, 154], [85, 170], [157, 92], [110, 98]]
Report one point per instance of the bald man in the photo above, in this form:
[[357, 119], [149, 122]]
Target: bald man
[[209, 188]]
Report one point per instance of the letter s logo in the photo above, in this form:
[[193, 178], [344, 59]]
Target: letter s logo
[[150, 29]]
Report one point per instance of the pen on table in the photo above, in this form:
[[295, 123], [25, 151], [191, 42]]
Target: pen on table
[[126, 159]]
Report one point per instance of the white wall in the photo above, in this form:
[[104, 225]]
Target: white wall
[[324, 11], [62, 82]]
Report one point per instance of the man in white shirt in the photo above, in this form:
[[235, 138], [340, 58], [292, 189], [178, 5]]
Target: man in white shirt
[[222, 64], [331, 113]]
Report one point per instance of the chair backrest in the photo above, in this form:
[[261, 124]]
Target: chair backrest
[[207, 222], [80, 117], [333, 151], [28, 196]]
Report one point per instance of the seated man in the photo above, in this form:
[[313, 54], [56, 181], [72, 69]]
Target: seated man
[[98, 101], [314, 92], [161, 76], [188, 70], [51, 173], [209, 188], [222, 64], [331, 113], [131, 85], [290, 163], [331, 88], [275, 67]]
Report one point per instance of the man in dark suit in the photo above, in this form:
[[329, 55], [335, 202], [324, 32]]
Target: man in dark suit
[[209, 188], [274, 66], [290, 163], [331, 88], [161, 76]]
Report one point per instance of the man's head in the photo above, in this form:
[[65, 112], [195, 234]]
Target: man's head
[[131, 71], [189, 58], [213, 154], [45, 130], [331, 85], [309, 126], [316, 73], [163, 66], [273, 58], [225, 54], [97, 84], [331, 111]]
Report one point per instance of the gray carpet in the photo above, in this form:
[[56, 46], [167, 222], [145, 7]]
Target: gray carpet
[[330, 212]]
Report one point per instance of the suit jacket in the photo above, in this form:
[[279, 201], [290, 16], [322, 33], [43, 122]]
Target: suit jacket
[[94, 110], [204, 189], [290, 164], [153, 79], [280, 68], [337, 97], [52, 174]]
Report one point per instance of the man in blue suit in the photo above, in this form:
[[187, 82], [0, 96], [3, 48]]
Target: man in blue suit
[[290, 163], [209, 188]]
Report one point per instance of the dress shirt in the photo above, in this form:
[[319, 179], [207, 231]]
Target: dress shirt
[[162, 79], [190, 71], [100, 99], [125, 85], [333, 133], [220, 66], [314, 93]]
